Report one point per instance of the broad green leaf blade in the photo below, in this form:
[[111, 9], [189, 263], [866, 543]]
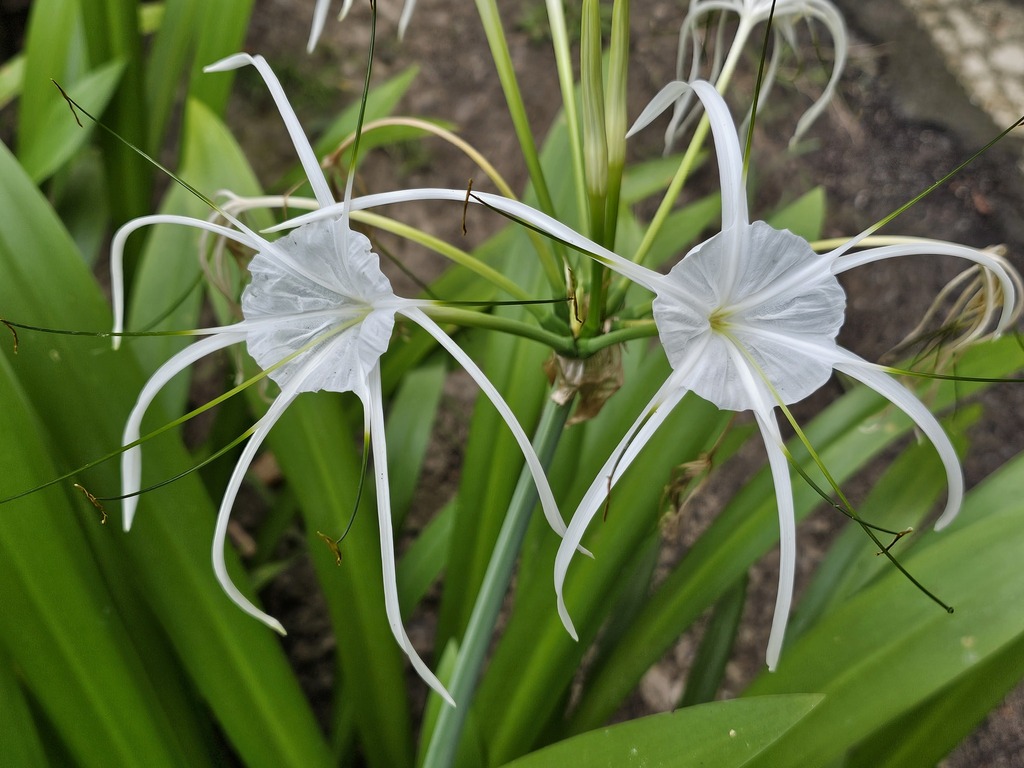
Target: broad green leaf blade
[[169, 56], [54, 49], [424, 561], [221, 32], [51, 148], [721, 734], [716, 645], [82, 391], [20, 741], [59, 629], [410, 424], [805, 216], [111, 31], [924, 735], [889, 648], [641, 180]]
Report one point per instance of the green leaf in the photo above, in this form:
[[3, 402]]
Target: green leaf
[[63, 136], [82, 391], [423, 562], [722, 734], [54, 49], [409, 426], [925, 734], [889, 649], [716, 645], [641, 180], [72, 649], [804, 217]]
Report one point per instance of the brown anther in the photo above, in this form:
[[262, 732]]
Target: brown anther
[[465, 206], [332, 545], [71, 103], [892, 543], [92, 499], [14, 333]]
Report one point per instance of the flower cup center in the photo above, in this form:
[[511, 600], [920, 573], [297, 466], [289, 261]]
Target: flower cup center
[[767, 322]]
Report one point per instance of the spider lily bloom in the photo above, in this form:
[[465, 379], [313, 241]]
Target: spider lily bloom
[[751, 13], [320, 18], [318, 314], [748, 320]]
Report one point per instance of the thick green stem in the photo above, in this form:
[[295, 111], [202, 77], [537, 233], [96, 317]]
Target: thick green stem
[[488, 10], [445, 739]]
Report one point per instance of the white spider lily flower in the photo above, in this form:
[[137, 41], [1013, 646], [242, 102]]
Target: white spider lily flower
[[751, 13], [320, 18], [318, 314], [748, 320]]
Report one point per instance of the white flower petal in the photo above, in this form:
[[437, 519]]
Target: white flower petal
[[350, 306], [374, 411], [727, 145], [263, 427], [787, 534], [547, 498], [248, 239], [319, 19], [939, 248], [762, 406], [542, 222], [403, 22], [730, 306], [870, 375], [310, 164], [636, 437], [131, 459], [832, 19]]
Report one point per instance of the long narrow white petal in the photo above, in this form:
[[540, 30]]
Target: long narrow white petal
[[652, 416], [373, 406], [787, 533], [828, 15], [904, 399], [288, 394], [636, 437], [121, 237], [547, 498], [763, 412], [939, 248], [641, 275], [307, 156], [319, 19], [730, 158], [727, 144], [131, 460], [403, 22], [662, 100]]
